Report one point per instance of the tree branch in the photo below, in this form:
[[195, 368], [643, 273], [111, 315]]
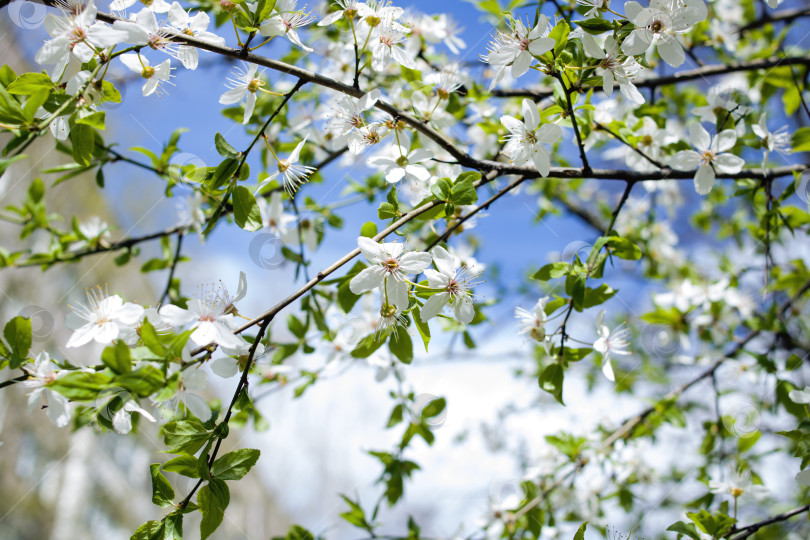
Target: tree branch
[[712, 70], [749, 530]]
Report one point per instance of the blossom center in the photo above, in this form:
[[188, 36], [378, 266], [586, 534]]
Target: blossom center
[[402, 161], [707, 156], [254, 85], [283, 165], [148, 72], [391, 265], [387, 311], [524, 44]]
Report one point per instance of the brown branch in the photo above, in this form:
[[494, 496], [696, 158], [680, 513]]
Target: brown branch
[[712, 70], [748, 530], [785, 15]]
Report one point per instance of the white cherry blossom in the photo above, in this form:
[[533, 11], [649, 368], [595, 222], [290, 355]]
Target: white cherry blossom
[[195, 26], [610, 342], [711, 154], [526, 138], [293, 173], [659, 25], [285, 21], [390, 264], [454, 283], [211, 316], [154, 76], [40, 373], [103, 318], [533, 323], [401, 163], [516, 47]]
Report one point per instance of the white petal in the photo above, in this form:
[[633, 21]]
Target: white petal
[[445, 262], [225, 367], [414, 262], [433, 305], [728, 163], [464, 309], [541, 161], [368, 279], [197, 405], [397, 293], [531, 117], [699, 137], [521, 64], [685, 160], [704, 179], [176, 316], [671, 51]]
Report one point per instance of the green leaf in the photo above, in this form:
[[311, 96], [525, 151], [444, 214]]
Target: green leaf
[[355, 516], [463, 191], [80, 385], [560, 36], [234, 465], [422, 326], [387, 211], [441, 189], [184, 465], [223, 173], [83, 138], [580, 535], [745, 442], [117, 357], [369, 229], [551, 380], [263, 9], [433, 408], [184, 436], [96, 120], [552, 271], [142, 382], [716, 525], [623, 248], [246, 210], [595, 26], [213, 499], [800, 141], [687, 529], [401, 346], [297, 532], [598, 296], [225, 150], [367, 346], [29, 83], [18, 336], [162, 491], [10, 110], [5, 163]]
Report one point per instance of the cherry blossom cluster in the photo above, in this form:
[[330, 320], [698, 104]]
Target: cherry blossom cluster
[[449, 283]]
